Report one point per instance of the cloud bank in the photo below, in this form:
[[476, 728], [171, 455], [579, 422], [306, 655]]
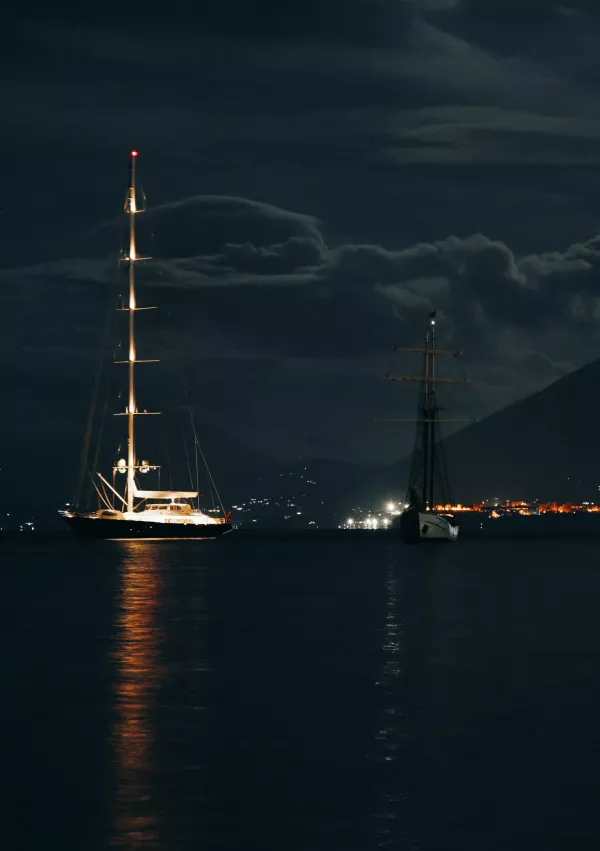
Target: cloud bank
[[250, 267]]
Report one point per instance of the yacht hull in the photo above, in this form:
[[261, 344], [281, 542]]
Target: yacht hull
[[122, 530], [418, 527]]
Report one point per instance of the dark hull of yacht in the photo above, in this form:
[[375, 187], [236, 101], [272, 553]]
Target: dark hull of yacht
[[94, 528]]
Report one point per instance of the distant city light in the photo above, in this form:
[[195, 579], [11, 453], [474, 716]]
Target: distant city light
[[350, 521], [390, 506]]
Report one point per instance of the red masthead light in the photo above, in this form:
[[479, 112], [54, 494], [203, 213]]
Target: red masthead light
[[134, 153]]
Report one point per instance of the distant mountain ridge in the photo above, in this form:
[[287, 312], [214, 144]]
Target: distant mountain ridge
[[545, 446]]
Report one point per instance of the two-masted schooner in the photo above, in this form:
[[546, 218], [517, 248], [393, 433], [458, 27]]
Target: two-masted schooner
[[428, 485], [133, 512]]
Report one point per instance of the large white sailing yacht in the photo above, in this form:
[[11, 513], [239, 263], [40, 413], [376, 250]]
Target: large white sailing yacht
[[132, 512]]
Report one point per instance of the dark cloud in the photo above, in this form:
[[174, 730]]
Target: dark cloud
[[526, 11], [493, 135], [262, 21], [211, 224], [297, 252], [443, 132], [288, 293]]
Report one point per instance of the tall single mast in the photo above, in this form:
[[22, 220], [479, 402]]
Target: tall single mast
[[432, 416], [426, 424], [131, 208]]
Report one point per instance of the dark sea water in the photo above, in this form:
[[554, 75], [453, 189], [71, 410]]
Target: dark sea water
[[300, 695]]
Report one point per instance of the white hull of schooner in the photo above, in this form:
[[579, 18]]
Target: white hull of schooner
[[417, 527]]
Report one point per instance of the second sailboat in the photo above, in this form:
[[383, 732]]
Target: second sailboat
[[424, 518]]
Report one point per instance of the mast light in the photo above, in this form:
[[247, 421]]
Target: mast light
[[134, 153]]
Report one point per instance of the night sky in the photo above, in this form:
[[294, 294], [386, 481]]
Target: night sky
[[320, 176]]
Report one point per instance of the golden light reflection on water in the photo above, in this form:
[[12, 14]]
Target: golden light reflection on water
[[139, 676]]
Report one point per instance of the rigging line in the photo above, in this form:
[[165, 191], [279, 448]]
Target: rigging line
[[85, 449], [87, 439], [106, 496], [197, 469], [94, 465], [98, 492], [211, 480], [102, 423], [181, 376], [114, 464], [170, 408], [445, 479], [109, 381], [209, 477], [416, 475], [195, 457], [211, 494], [186, 448], [168, 443], [187, 456]]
